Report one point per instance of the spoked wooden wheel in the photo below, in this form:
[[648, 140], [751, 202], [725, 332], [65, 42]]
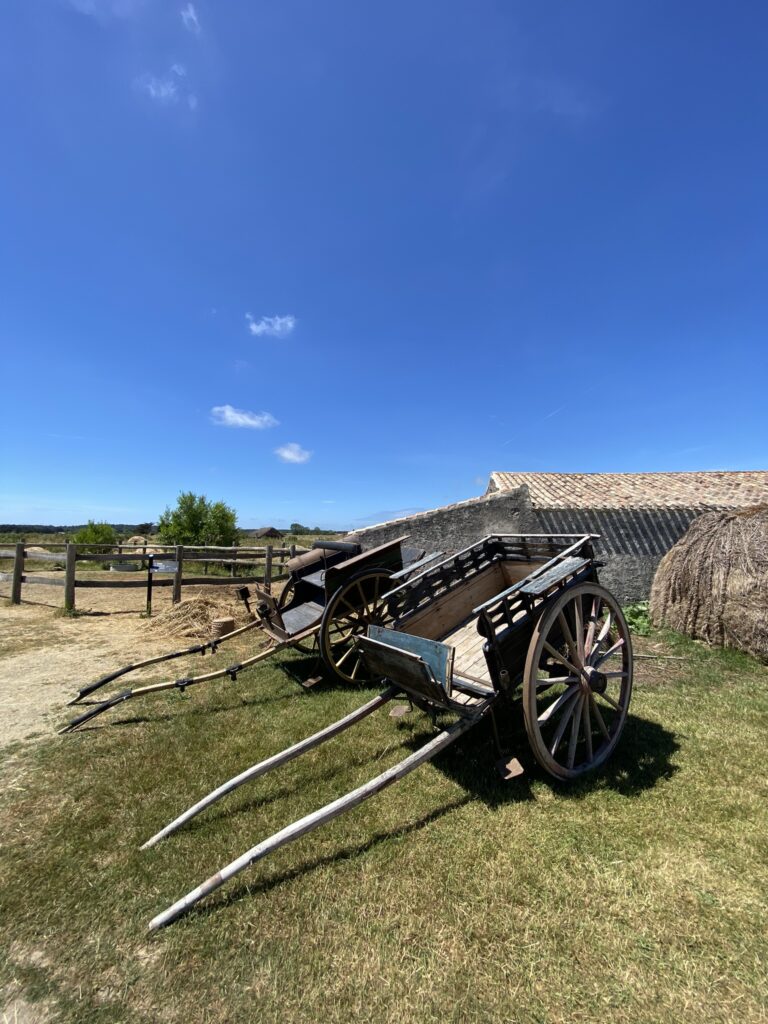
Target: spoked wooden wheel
[[286, 595], [355, 606], [578, 681]]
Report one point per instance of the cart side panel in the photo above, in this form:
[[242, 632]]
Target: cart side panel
[[425, 589], [509, 622], [422, 605], [386, 556]]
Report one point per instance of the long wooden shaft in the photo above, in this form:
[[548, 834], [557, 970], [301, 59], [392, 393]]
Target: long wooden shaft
[[195, 649], [312, 821], [182, 684], [273, 762]]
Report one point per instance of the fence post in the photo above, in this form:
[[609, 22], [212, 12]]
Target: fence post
[[177, 579], [292, 550], [150, 570], [18, 570], [268, 570], [69, 577]]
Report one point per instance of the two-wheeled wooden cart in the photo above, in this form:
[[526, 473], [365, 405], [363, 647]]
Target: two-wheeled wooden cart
[[512, 616], [333, 593]]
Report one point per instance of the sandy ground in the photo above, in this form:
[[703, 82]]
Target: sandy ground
[[45, 659]]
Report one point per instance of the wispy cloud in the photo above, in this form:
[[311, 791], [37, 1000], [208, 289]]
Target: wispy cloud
[[273, 326], [190, 19], [387, 514], [107, 8], [293, 452], [166, 89], [228, 416]]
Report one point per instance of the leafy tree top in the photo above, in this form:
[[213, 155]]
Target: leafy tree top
[[96, 534], [195, 520]]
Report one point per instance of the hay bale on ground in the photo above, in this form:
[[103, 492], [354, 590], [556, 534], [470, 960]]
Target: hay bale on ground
[[194, 617], [137, 540], [713, 584]]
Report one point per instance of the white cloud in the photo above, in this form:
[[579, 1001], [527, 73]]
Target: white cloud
[[293, 452], [162, 90], [228, 416], [168, 89], [274, 326], [190, 19], [103, 9]]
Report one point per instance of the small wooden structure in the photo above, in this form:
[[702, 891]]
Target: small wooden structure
[[333, 593], [511, 616]]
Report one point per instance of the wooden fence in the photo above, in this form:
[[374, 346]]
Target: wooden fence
[[168, 560]]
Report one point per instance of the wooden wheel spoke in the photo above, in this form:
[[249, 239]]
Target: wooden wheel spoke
[[568, 637], [604, 631], [588, 729], [611, 701], [590, 639], [557, 704], [356, 666], [366, 609], [609, 653], [554, 682], [346, 625], [578, 618], [575, 727], [615, 675], [348, 603], [559, 657], [345, 655], [599, 717], [564, 720]]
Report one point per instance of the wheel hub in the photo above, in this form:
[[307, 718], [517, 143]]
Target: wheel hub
[[596, 680]]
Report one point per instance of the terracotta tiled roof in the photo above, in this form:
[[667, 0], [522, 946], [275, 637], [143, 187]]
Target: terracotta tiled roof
[[638, 490]]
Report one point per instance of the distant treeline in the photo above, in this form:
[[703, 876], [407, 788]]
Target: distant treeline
[[132, 528]]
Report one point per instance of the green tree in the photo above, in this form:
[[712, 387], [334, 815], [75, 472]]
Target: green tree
[[298, 528], [96, 534], [195, 520]]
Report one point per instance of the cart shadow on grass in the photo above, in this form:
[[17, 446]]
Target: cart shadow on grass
[[642, 760]]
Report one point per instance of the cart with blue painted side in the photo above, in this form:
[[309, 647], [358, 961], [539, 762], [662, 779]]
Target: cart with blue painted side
[[511, 621]]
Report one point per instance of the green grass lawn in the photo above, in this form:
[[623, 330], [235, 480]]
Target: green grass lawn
[[637, 896]]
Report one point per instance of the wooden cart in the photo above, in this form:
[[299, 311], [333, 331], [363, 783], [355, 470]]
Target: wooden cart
[[512, 619], [333, 593]]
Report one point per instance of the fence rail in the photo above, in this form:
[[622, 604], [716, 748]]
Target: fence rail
[[155, 558]]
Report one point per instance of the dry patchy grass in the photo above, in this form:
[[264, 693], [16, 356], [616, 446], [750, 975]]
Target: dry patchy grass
[[636, 896]]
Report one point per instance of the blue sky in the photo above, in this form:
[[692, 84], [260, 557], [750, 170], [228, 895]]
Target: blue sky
[[333, 261]]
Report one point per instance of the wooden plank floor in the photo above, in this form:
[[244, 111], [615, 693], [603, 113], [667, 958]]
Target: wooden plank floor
[[469, 655]]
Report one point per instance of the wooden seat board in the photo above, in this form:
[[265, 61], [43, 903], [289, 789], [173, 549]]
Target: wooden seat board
[[469, 656], [298, 619]]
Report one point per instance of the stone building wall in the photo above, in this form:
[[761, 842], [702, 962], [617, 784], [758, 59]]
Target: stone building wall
[[632, 541], [454, 527]]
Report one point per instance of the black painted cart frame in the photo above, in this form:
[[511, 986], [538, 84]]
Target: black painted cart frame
[[511, 616], [333, 593]]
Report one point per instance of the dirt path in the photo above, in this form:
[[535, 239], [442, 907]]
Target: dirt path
[[44, 659]]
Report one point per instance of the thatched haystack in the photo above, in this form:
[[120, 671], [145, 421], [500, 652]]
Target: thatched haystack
[[194, 616], [138, 540], [713, 584]]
